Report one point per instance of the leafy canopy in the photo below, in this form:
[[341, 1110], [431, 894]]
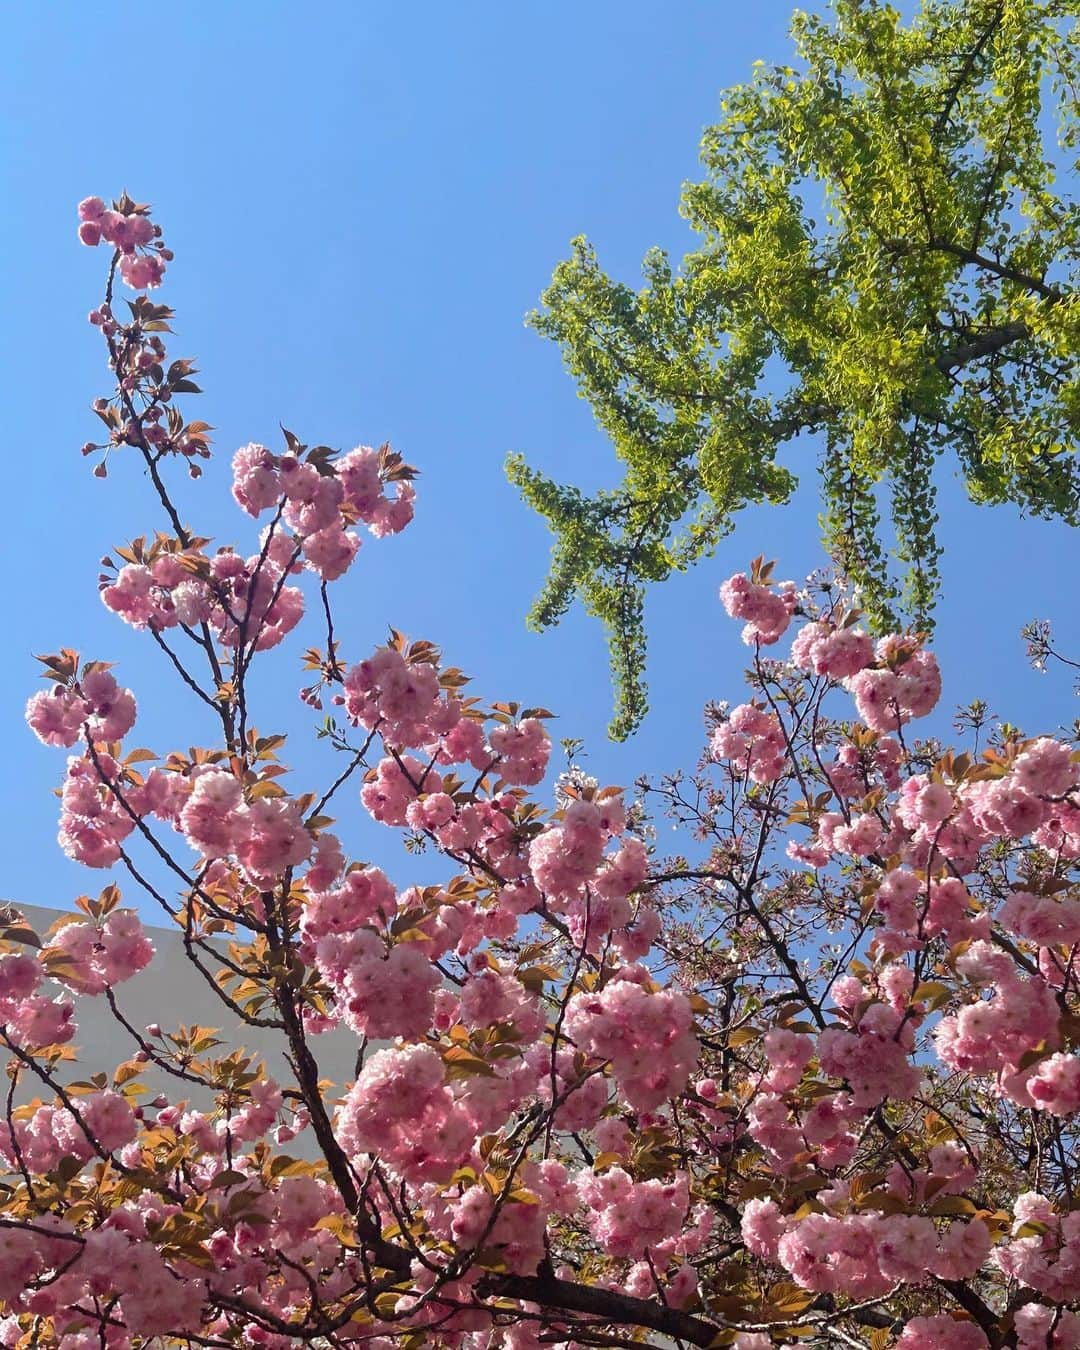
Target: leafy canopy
[[886, 269]]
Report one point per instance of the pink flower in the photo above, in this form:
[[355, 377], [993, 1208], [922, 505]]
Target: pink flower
[[392, 515], [1055, 1085], [130, 595], [963, 1249], [762, 1228], [907, 1245], [788, 1054], [56, 715], [941, 1333], [39, 1021], [210, 819], [256, 485], [20, 976], [647, 1037], [358, 472], [768, 614], [628, 1218], [330, 551], [828, 1254], [380, 993], [103, 957], [393, 785], [401, 1108], [836, 652], [271, 837], [523, 751], [400, 696], [1045, 767], [113, 707], [1038, 1326], [753, 740], [141, 270]]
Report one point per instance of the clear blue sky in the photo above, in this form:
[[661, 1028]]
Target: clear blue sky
[[364, 201]]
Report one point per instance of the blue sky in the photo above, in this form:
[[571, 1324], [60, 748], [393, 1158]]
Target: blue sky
[[364, 202]]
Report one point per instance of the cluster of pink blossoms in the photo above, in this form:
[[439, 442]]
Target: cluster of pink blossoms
[[31, 1019], [517, 1231], [99, 956], [401, 1108], [858, 770], [50, 1269], [891, 682], [1012, 1030], [105, 1123], [132, 233], [836, 652], [857, 834], [87, 958], [905, 684], [241, 599], [565, 865], [211, 1138], [1032, 797], [993, 1035], [826, 1131], [1044, 920], [647, 1034], [753, 740], [93, 821], [1025, 797], [1048, 1260], [265, 835], [99, 810], [403, 699], [942, 1333], [57, 715], [873, 1057], [491, 996], [567, 862], [630, 1218], [246, 601], [424, 1127], [379, 992], [396, 783], [319, 503], [864, 1255], [384, 988], [767, 613], [1038, 1326]]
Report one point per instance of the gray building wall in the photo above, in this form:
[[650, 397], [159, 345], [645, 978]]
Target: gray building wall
[[168, 992]]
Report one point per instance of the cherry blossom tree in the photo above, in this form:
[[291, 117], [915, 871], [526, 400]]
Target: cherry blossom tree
[[813, 1081]]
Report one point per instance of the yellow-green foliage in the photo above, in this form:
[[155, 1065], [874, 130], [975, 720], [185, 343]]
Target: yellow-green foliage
[[886, 266]]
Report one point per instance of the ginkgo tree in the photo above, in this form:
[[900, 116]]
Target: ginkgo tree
[[814, 1081], [886, 280]]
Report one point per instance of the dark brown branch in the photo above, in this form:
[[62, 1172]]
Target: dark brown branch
[[956, 88], [1003, 270], [605, 1304], [993, 340]]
